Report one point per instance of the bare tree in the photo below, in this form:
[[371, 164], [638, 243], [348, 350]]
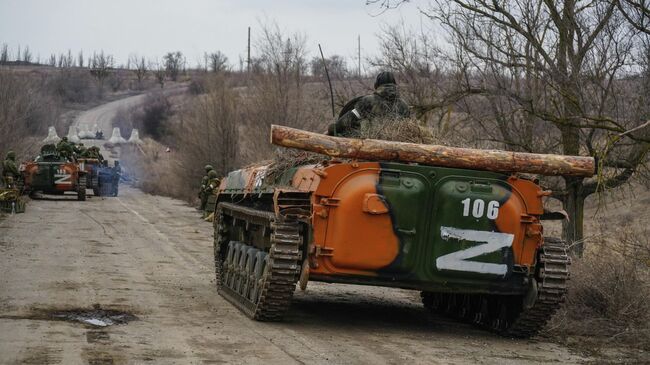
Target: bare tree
[[637, 13], [4, 54], [140, 68], [27, 55], [210, 125], [336, 67], [174, 64], [80, 59], [52, 61], [425, 75], [159, 72], [276, 85], [216, 61], [555, 76], [100, 67]]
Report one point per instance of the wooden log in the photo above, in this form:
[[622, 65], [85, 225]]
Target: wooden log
[[434, 155]]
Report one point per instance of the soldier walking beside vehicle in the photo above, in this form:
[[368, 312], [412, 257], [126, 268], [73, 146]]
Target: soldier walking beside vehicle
[[204, 183], [9, 169], [384, 102]]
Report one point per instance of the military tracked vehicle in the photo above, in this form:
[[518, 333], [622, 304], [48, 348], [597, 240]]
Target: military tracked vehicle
[[471, 241], [91, 166], [101, 178], [52, 174]]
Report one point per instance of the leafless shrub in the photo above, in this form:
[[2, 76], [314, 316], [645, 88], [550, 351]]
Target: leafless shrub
[[26, 109], [150, 117], [609, 291], [205, 130], [209, 129], [73, 86]]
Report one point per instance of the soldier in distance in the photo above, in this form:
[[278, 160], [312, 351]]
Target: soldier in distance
[[384, 102], [204, 183], [9, 169], [79, 149], [116, 177]]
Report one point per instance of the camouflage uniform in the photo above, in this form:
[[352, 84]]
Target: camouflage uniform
[[9, 169], [65, 148], [209, 190], [79, 149], [93, 152], [384, 102], [204, 183]]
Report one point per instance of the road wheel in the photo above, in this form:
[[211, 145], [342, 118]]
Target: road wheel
[[81, 189], [258, 271]]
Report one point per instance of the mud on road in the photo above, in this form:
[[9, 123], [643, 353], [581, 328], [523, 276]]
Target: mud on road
[[150, 258]]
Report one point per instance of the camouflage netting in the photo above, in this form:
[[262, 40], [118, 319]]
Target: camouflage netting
[[286, 158], [398, 130]]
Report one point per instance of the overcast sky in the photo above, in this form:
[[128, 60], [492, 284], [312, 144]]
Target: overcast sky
[[153, 27]]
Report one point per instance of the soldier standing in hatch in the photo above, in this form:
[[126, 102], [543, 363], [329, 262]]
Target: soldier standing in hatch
[[384, 102], [9, 169], [204, 183]]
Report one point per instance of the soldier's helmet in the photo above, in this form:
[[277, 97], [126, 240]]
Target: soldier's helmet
[[65, 139], [385, 77], [208, 168], [212, 174], [11, 155]]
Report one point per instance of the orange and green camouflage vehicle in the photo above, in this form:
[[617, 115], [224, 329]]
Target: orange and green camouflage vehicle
[[52, 174], [470, 241]]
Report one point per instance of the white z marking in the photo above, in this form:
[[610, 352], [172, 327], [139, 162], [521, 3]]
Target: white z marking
[[458, 261], [63, 179]]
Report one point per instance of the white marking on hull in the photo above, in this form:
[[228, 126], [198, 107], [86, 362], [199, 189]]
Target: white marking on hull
[[459, 260]]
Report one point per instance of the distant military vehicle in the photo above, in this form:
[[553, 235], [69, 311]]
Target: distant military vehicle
[[101, 178], [91, 166], [52, 174], [471, 241]]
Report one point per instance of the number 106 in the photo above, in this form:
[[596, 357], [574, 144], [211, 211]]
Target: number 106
[[477, 208]]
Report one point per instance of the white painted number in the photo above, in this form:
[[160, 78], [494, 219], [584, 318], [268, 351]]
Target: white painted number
[[478, 208], [459, 260], [493, 209], [62, 177]]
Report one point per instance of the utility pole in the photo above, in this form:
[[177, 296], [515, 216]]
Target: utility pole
[[359, 53], [248, 59]]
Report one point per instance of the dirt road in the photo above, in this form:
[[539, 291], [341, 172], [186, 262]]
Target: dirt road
[[69, 269]]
